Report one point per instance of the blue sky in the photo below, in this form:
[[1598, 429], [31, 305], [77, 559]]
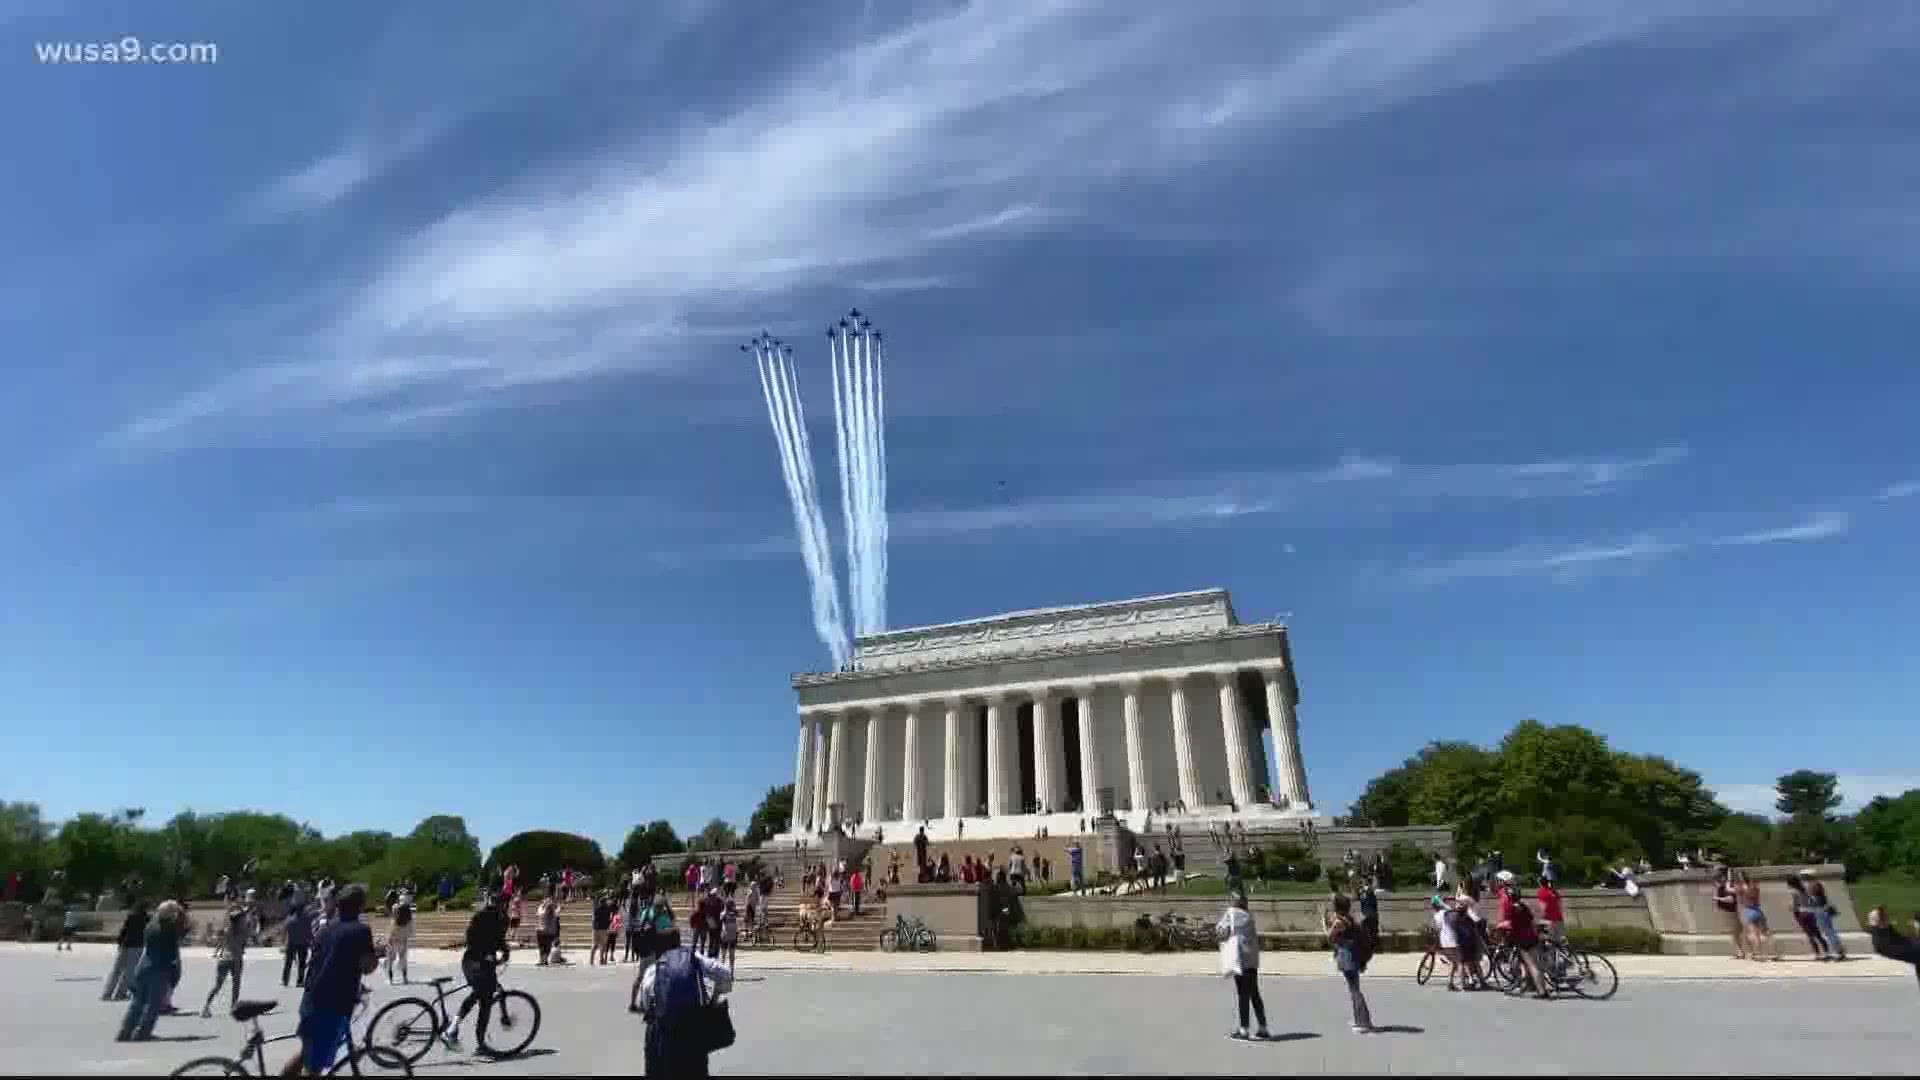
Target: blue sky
[[374, 440]]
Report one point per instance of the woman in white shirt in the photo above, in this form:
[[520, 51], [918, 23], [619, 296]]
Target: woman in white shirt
[[1240, 961]]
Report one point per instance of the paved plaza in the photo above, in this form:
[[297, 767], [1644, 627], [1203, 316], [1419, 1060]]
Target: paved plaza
[[873, 1014]]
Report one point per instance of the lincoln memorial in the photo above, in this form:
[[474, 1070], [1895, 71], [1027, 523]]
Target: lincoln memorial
[[1053, 717]]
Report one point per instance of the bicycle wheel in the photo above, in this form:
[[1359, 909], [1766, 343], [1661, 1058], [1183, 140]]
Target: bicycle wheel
[[211, 1066], [1593, 976], [889, 940], [925, 942], [407, 1027], [517, 1015], [1425, 971], [372, 1061], [806, 939]]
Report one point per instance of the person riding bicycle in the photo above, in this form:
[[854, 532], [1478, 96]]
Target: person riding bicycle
[[343, 953], [486, 950]]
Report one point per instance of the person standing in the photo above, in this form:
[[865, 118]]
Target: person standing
[[677, 996], [1759, 938], [445, 891], [155, 973], [1803, 918], [1729, 906], [729, 932], [1823, 916], [127, 957], [920, 848], [229, 955], [399, 934], [1076, 866], [602, 928], [1370, 912], [546, 936], [299, 934], [342, 954], [1240, 961], [1351, 952]]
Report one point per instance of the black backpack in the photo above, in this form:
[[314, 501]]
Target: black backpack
[[1361, 943]]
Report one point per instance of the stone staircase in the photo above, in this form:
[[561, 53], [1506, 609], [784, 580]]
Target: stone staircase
[[447, 929]]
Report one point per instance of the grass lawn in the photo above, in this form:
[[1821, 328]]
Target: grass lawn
[[1900, 894]]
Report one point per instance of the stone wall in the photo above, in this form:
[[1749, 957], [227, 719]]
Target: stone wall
[[1682, 909], [951, 911], [1294, 914]]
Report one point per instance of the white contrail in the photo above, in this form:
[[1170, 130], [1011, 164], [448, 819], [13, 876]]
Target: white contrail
[[789, 432], [880, 482], [845, 422]]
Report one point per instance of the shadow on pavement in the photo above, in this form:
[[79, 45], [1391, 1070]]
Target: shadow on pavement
[[481, 1061], [77, 978], [1399, 1029], [1291, 1036], [179, 1038]]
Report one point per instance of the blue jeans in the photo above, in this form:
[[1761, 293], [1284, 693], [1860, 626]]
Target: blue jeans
[[150, 985], [126, 960], [1827, 930]]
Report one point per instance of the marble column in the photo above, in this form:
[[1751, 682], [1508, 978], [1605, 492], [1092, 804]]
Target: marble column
[[1286, 739], [803, 780], [873, 808], [837, 763], [820, 754], [950, 758], [1049, 753], [1089, 760], [911, 807], [1139, 781], [1189, 772], [1000, 784], [1240, 781]]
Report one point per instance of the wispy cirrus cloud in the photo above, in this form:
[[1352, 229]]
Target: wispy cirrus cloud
[[957, 126], [1355, 484], [1567, 562], [1905, 489]]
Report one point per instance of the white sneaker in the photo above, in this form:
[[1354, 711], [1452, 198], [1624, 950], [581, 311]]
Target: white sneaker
[[1361, 1029], [451, 1037]]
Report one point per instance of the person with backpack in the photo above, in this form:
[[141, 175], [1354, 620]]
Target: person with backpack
[[1517, 920], [399, 934], [686, 1021], [1352, 951]]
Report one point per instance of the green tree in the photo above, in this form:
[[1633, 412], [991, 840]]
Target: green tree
[[1457, 787], [716, 835], [648, 841], [26, 845], [94, 852], [1668, 809], [1804, 791], [771, 816], [1887, 836], [542, 851], [1743, 840], [1385, 802]]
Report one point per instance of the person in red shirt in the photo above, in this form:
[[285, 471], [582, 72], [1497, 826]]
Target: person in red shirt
[[856, 883], [1552, 921]]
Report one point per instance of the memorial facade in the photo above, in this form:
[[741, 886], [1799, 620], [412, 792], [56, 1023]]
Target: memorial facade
[[1004, 725]]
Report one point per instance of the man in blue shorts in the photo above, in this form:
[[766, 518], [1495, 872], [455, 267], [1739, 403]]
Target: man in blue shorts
[[342, 954]]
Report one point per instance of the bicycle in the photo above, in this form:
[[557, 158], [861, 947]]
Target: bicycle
[[914, 933], [811, 936], [417, 1024], [763, 932], [1473, 974], [1587, 974], [383, 1059]]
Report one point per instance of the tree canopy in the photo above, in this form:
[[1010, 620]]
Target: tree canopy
[[1563, 788], [715, 835], [649, 841], [770, 818], [543, 851]]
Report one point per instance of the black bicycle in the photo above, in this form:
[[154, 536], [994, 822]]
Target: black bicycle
[[412, 1025], [378, 1059]]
